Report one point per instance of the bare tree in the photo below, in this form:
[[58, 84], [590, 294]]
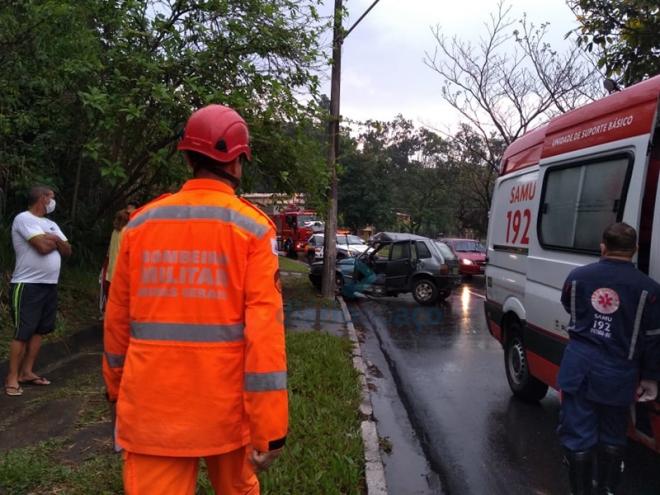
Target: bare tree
[[571, 78], [511, 79]]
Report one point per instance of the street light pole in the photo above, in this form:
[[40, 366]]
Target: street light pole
[[329, 244], [329, 241]]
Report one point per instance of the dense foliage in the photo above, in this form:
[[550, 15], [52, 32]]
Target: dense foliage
[[95, 92], [624, 33], [398, 177]]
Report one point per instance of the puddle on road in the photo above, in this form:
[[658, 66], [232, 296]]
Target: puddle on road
[[406, 469]]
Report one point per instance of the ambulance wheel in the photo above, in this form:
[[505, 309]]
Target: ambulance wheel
[[425, 291], [521, 382]]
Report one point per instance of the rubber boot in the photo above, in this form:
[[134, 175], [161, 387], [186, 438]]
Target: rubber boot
[[610, 467], [580, 470]]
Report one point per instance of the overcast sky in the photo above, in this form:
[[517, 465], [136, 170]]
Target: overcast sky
[[383, 70]]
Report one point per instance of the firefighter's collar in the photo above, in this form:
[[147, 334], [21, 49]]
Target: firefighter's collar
[[212, 184]]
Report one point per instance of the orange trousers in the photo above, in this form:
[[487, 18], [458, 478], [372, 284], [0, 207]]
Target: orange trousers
[[230, 474]]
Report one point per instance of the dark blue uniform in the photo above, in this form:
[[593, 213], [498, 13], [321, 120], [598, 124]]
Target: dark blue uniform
[[614, 342]]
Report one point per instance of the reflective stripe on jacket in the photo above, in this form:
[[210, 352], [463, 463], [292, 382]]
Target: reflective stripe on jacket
[[194, 335]]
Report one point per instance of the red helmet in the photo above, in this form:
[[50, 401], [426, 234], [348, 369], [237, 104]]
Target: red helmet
[[217, 132]]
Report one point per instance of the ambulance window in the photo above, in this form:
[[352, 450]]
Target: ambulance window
[[580, 201]]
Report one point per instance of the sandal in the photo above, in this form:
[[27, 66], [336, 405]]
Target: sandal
[[13, 391], [37, 380]]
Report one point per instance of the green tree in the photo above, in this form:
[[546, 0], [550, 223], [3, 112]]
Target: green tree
[[365, 192], [396, 168], [624, 32], [95, 93]]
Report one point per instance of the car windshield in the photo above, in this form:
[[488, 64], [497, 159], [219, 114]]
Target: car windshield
[[445, 251], [349, 239], [469, 246]]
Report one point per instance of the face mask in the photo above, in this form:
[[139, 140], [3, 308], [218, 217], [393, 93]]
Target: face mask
[[50, 207]]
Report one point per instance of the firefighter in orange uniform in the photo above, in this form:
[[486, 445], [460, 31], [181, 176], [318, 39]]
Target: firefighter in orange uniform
[[194, 351]]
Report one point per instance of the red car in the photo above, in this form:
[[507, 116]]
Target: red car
[[471, 255]]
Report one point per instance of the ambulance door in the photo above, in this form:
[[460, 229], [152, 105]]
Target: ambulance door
[[646, 417], [579, 196], [582, 192], [649, 229]]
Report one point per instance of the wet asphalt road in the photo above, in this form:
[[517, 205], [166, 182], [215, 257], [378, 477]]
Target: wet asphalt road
[[477, 438]]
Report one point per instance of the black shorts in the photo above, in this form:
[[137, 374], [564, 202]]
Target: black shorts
[[33, 308]]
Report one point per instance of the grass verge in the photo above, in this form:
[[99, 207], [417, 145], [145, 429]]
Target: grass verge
[[289, 265], [323, 454], [298, 291], [324, 448], [36, 470]]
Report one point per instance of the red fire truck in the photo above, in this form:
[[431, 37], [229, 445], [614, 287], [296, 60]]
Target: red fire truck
[[294, 227]]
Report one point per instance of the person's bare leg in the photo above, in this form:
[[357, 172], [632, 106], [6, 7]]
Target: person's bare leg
[[16, 353], [26, 372]]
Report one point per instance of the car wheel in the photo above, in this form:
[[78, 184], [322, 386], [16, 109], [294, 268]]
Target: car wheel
[[425, 291], [521, 382]]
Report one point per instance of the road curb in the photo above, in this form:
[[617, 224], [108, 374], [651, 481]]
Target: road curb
[[374, 469]]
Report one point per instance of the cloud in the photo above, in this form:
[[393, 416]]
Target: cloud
[[383, 58]]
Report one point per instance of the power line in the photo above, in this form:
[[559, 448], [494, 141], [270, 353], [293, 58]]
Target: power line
[[360, 19]]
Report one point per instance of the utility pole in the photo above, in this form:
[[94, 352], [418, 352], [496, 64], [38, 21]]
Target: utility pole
[[329, 241]]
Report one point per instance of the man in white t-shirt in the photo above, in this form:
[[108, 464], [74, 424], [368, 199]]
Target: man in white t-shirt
[[39, 245]]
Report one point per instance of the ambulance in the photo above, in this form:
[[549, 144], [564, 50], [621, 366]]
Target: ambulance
[[560, 185]]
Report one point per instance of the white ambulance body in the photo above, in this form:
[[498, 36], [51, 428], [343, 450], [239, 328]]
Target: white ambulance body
[[560, 186]]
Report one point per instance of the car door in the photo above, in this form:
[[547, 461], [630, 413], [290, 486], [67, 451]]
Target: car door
[[372, 263], [399, 267], [381, 258]]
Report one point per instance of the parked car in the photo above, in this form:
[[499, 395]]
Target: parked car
[[401, 263], [348, 245], [471, 255]]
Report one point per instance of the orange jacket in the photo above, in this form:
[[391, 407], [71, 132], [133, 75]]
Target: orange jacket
[[194, 334]]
